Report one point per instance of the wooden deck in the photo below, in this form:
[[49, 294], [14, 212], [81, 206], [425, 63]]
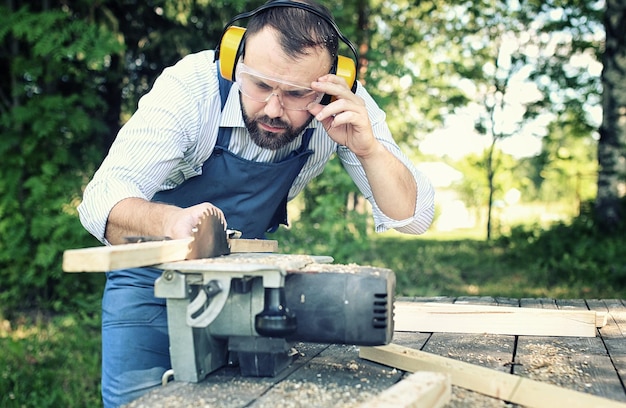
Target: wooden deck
[[335, 376]]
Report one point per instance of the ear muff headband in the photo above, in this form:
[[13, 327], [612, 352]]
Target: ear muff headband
[[230, 47]]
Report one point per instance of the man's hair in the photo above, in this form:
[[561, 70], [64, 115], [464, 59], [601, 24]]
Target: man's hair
[[298, 29]]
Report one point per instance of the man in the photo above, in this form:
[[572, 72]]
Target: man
[[183, 153]]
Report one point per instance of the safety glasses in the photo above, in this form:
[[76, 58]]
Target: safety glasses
[[260, 88]]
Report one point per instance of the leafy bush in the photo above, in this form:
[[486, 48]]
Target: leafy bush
[[327, 226], [577, 253], [48, 129]]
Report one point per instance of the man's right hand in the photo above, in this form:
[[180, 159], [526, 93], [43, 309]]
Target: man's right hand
[[139, 217], [180, 223]]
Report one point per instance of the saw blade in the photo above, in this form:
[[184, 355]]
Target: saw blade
[[209, 237]]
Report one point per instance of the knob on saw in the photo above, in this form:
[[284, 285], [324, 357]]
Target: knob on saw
[[276, 320]]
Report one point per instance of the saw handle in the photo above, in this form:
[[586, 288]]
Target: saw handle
[[276, 320]]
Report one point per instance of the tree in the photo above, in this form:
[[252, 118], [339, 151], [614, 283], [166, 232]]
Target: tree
[[612, 144], [72, 73], [566, 168], [516, 63], [53, 63]]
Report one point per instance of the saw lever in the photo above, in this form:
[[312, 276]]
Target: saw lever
[[208, 303]]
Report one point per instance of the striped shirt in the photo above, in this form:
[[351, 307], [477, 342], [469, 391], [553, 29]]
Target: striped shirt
[[175, 129]]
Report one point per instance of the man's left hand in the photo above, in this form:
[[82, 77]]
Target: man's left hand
[[345, 118]]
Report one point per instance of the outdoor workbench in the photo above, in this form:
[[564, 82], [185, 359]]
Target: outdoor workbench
[[324, 375]]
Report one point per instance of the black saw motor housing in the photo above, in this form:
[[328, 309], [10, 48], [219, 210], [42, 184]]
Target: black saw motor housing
[[342, 307]]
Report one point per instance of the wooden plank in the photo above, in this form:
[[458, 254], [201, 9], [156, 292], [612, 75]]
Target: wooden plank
[[242, 245], [109, 258], [465, 318], [112, 257], [422, 389], [614, 333], [503, 386]]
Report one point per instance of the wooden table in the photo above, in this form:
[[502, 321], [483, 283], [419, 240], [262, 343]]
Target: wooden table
[[335, 376]]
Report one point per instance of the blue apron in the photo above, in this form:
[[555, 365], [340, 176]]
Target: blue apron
[[252, 195]]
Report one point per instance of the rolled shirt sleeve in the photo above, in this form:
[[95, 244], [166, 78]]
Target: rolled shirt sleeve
[[425, 200]]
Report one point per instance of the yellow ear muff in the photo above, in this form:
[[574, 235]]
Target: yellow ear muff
[[346, 69], [229, 50]]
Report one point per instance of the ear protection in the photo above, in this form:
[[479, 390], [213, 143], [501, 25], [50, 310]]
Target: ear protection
[[230, 47]]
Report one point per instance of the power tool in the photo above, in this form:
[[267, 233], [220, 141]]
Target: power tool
[[249, 309]]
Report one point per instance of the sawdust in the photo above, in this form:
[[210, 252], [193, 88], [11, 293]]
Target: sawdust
[[287, 262], [282, 261], [547, 364], [556, 364], [322, 394], [342, 268], [547, 360]]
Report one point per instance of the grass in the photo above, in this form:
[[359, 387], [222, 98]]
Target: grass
[[50, 361], [54, 360], [464, 264]]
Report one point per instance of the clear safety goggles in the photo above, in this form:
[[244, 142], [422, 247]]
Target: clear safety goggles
[[260, 88]]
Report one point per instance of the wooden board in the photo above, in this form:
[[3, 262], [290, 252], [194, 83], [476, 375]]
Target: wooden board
[[614, 333], [507, 387], [465, 318], [108, 258], [422, 389], [242, 245]]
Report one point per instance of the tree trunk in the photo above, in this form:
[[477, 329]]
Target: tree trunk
[[363, 27], [490, 176], [612, 144]]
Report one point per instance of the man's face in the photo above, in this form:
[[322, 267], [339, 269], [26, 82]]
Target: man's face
[[270, 125]]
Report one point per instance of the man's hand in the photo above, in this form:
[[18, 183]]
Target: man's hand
[[345, 119], [139, 217], [347, 122], [181, 222]]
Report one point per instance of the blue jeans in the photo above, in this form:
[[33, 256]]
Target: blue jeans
[[135, 342]]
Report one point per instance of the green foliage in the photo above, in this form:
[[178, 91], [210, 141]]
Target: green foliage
[[412, 68], [327, 226], [48, 128], [575, 254]]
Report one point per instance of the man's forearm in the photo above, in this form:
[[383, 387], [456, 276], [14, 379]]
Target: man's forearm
[[136, 217], [393, 186]]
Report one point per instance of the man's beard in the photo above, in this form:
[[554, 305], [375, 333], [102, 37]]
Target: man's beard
[[271, 140]]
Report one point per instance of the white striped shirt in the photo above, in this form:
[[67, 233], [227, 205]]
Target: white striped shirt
[[175, 129]]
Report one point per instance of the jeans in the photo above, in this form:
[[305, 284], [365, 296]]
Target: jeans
[[135, 342]]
